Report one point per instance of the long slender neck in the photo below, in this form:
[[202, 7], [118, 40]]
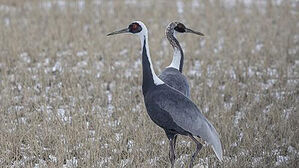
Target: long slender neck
[[178, 55], [150, 78]]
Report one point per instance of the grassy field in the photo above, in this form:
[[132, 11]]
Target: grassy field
[[71, 97]]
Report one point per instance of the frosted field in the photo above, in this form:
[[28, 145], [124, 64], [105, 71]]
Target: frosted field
[[71, 97]]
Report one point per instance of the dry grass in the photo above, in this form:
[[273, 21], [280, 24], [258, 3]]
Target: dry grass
[[72, 96]]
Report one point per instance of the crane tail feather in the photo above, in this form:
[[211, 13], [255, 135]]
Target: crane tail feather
[[218, 150], [211, 137]]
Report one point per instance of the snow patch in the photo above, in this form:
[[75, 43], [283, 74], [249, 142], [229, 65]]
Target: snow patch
[[71, 163]]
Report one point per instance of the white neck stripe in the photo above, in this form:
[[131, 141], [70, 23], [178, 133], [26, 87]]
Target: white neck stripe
[[144, 35], [176, 59]]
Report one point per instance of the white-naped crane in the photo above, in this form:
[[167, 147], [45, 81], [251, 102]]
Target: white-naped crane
[[172, 75], [169, 108]]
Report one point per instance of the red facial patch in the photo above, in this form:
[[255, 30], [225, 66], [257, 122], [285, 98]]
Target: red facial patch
[[134, 26]]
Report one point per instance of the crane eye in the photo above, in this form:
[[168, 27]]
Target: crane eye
[[135, 28], [180, 28]]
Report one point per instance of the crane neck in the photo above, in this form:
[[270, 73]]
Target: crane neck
[[178, 55], [149, 76]]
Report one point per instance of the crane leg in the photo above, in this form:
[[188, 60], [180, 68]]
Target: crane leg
[[174, 141], [171, 151], [198, 148]]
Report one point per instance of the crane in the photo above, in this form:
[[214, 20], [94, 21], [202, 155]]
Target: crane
[[172, 75], [167, 107]]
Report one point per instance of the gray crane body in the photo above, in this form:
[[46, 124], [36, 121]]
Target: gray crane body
[[173, 111], [174, 78]]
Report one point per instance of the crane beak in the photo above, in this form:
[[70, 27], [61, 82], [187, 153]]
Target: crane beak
[[194, 32], [126, 30]]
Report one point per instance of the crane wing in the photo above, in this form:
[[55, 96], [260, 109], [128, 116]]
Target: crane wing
[[187, 116], [175, 79]]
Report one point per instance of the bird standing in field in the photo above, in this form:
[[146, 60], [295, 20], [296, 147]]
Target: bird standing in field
[[172, 75], [168, 108]]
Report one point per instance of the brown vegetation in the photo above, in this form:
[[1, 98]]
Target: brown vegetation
[[71, 96]]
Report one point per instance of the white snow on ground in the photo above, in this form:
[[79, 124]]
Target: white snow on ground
[[82, 53], [232, 3], [103, 161], [180, 6], [63, 115], [25, 57], [57, 67], [196, 71], [203, 163], [130, 145], [124, 162], [153, 161], [182, 159], [53, 158], [71, 163], [281, 160], [239, 115], [7, 21]]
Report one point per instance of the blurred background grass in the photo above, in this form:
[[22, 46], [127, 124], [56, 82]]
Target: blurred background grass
[[71, 97]]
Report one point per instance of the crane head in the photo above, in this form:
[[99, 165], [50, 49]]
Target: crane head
[[136, 27], [181, 28]]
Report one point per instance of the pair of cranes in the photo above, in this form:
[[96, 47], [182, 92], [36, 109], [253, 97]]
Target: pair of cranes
[[167, 97]]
